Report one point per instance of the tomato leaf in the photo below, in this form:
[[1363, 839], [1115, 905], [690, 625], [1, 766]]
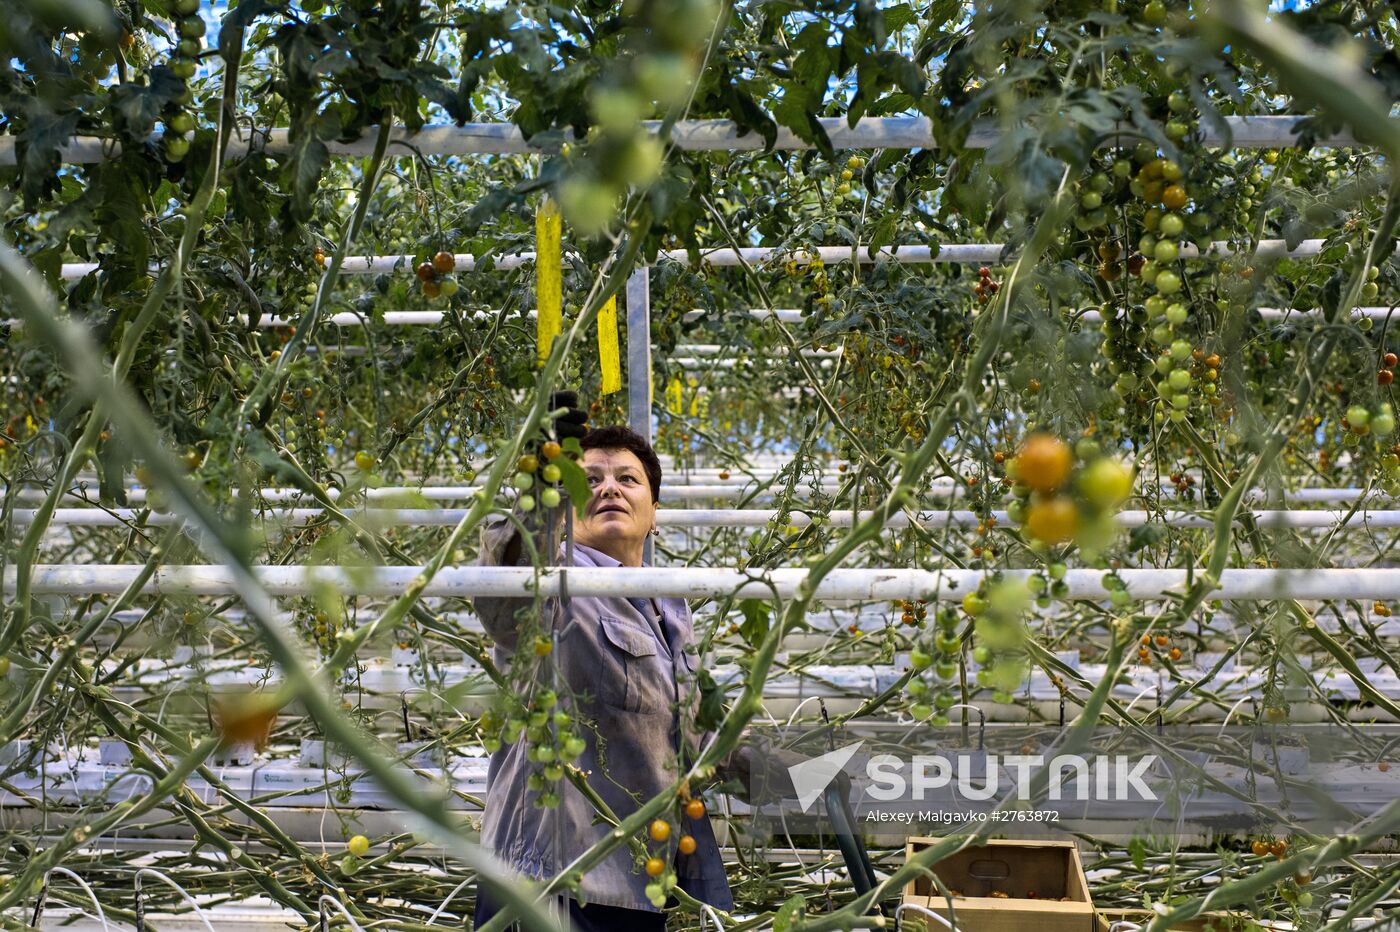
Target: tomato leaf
[[574, 481], [1137, 850], [711, 713], [756, 620], [789, 912]]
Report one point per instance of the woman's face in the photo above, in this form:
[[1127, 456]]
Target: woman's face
[[621, 511]]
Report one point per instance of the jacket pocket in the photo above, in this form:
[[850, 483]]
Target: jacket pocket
[[633, 679]]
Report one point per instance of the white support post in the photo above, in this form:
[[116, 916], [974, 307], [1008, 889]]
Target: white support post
[[639, 361]]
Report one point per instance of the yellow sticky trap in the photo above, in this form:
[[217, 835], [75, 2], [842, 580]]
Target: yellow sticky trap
[[549, 278], [609, 362], [673, 395]]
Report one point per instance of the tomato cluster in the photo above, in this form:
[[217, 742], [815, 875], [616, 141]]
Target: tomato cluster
[[180, 121], [1054, 510], [435, 275]]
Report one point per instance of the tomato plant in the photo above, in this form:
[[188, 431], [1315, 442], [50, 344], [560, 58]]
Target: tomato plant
[[1134, 315]]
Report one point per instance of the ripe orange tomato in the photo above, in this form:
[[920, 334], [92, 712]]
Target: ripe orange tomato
[[660, 830], [695, 809], [655, 867], [1053, 521], [687, 844], [1044, 463]]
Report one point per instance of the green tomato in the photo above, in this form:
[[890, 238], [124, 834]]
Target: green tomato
[[176, 148], [1180, 380], [974, 604], [1171, 225], [550, 498], [1165, 251], [1177, 314], [551, 473], [1168, 282], [1358, 416], [181, 123], [526, 503]]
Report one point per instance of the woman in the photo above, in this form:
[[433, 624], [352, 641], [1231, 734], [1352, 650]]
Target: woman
[[630, 666]]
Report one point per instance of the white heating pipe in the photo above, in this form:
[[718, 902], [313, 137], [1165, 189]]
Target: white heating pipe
[[981, 253], [740, 517], [897, 132], [877, 585]]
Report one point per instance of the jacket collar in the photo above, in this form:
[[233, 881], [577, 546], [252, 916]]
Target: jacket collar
[[588, 556]]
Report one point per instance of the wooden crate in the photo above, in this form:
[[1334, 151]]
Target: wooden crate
[[1210, 922], [1051, 870]]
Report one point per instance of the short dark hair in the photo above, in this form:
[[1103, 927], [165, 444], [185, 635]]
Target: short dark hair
[[617, 437]]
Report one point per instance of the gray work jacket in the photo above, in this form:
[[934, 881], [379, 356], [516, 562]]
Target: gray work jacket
[[626, 670]]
